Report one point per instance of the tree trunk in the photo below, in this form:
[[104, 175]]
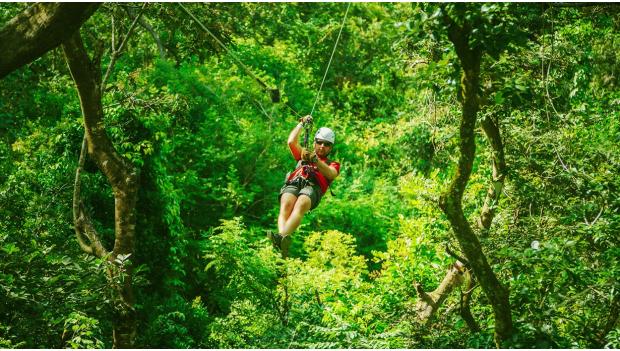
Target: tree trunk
[[499, 174], [451, 200], [38, 29], [121, 175]]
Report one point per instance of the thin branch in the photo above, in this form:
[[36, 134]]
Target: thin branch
[[116, 52], [473, 287], [549, 68], [263, 110], [561, 161], [77, 203], [492, 132], [131, 11], [113, 39], [465, 310], [596, 218], [456, 256], [547, 89]]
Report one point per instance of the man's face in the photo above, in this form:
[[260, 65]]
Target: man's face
[[322, 147]]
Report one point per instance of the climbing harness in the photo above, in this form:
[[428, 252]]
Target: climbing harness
[[305, 173], [303, 178]]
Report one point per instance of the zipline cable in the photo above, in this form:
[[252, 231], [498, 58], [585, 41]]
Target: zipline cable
[[330, 59], [275, 93]]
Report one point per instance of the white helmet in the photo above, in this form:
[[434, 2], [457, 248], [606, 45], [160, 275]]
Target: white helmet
[[326, 134]]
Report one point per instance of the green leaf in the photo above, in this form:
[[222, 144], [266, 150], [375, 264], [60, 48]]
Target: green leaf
[[10, 248]]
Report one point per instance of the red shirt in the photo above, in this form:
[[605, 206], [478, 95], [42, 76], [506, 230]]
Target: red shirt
[[307, 170]]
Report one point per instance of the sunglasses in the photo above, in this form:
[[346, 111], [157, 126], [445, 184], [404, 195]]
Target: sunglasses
[[322, 142]]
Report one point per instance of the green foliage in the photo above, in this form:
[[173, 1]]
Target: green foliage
[[211, 149], [235, 268], [494, 26], [178, 324], [42, 272], [81, 331], [247, 325], [552, 293], [6, 338], [613, 339]]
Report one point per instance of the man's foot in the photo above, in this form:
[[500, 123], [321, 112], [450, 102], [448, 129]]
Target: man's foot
[[276, 239], [285, 243]]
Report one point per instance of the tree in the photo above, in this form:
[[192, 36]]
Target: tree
[[123, 178], [475, 31], [451, 201]]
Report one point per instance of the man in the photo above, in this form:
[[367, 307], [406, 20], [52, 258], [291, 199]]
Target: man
[[306, 185]]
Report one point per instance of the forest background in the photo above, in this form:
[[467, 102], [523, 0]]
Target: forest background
[[477, 204]]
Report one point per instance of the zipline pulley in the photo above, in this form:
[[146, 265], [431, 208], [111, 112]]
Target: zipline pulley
[[307, 125]]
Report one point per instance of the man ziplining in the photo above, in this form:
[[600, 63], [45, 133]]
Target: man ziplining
[[306, 185]]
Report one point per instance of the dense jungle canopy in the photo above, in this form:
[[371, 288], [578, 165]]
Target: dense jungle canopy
[[140, 164]]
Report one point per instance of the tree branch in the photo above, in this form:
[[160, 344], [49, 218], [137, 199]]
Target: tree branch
[[465, 303], [39, 29], [492, 132], [121, 175], [115, 52], [460, 259], [429, 303]]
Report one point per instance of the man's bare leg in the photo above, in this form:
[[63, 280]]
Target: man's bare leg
[[302, 205], [287, 203]]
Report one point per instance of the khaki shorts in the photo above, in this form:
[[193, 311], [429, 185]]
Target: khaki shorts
[[311, 191]]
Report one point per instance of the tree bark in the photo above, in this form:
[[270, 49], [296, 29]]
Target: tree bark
[[87, 236], [491, 130], [428, 303], [121, 175], [38, 29], [451, 200], [465, 302]]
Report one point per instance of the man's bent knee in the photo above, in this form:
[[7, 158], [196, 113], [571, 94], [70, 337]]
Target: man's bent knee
[[287, 200], [303, 204]]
